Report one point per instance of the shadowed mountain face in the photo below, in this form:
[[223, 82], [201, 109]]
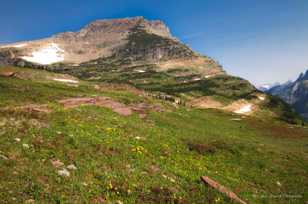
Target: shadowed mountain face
[[295, 93]]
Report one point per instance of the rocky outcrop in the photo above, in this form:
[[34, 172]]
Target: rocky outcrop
[[294, 93], [98, 39], [122, 26], [136, 41], [153, 48]]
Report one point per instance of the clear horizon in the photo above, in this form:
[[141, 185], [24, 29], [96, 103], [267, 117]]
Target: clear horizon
[[262, 41]]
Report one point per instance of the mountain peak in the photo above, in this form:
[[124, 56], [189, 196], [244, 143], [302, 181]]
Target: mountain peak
[[295, 93], [303, 76], [121, 26], [135, 40]]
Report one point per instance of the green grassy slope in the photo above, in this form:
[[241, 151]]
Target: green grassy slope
[[155, 160], [177, 83]]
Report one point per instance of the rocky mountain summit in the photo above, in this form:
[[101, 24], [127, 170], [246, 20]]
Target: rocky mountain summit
[[136, 39], [295, 93]]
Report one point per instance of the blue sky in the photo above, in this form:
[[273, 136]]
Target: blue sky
[[260, 40]]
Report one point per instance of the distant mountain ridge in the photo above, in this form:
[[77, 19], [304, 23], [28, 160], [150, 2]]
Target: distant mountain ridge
[[294, 93], [265, 87]]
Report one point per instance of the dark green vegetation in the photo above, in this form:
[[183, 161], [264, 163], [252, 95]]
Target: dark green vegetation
[[177, 83], [158, 159], [146, 46], [170, 82]]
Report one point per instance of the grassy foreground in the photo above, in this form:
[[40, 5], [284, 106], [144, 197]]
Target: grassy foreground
[[125, 159]]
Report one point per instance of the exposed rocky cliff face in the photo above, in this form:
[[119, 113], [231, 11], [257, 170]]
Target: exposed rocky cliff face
[[136, 40], [103, 38], [295, 93]]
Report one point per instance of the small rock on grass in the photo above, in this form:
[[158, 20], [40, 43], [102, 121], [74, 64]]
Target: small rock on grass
[[26, 146], [64, 172], [236, 119], [17, 139], [72, 167], [57, 163], [30, 201]]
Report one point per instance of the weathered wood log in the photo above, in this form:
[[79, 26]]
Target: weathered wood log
[[7, 74], [222, 189]]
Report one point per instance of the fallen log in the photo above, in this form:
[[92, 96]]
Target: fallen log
[[222, 189], [7, 74]]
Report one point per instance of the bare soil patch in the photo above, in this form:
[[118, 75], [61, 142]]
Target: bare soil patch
[[206, 102], [242, 107], [106, 102], [120, 108]]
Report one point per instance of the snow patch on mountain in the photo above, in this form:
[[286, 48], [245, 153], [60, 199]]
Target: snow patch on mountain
[[139, 71], [14, 45], [262, 98], [50, 54], [266, 87], [66, 80], [244, 109], [20, 45]]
